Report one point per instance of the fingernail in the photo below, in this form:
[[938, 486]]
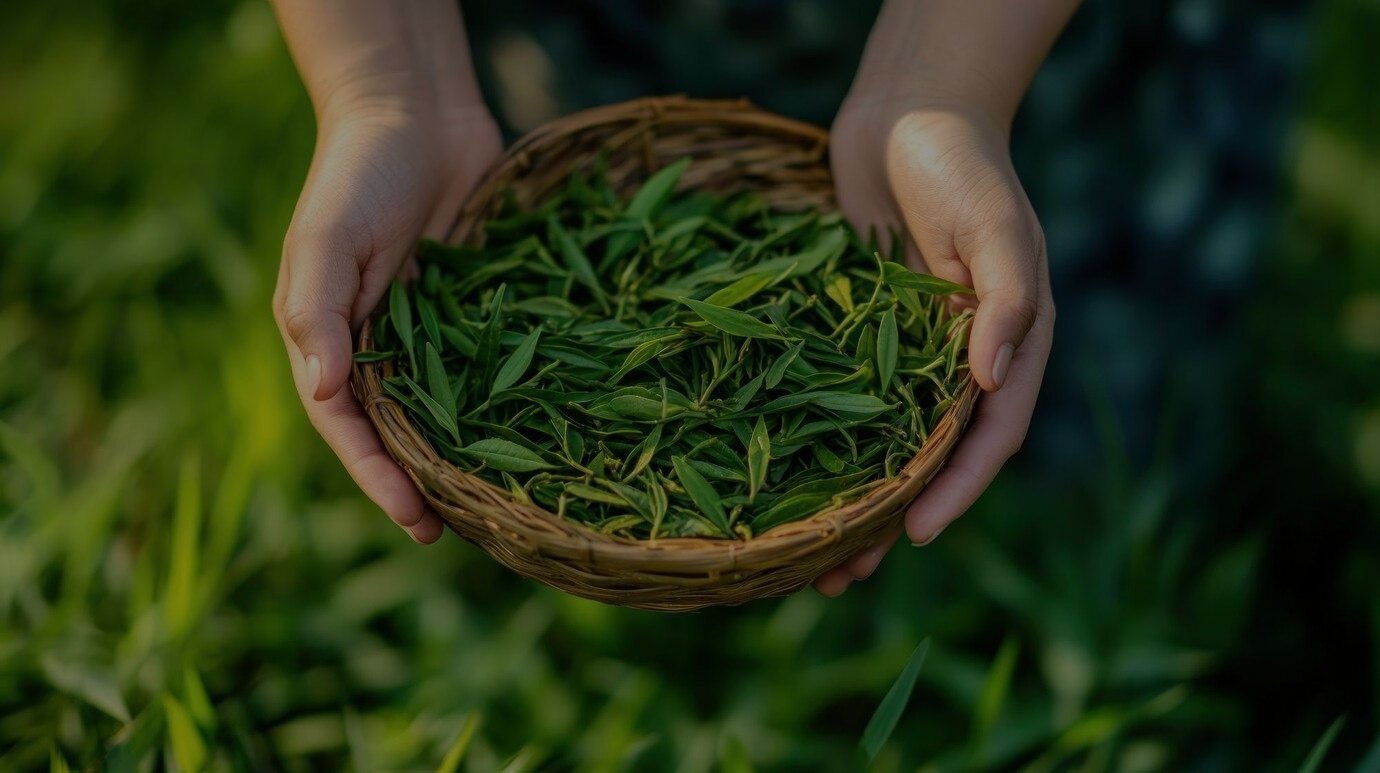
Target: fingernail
[[927, 540], [313, 374], [1001, 364]]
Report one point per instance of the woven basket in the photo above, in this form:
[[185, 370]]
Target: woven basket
[[735, 146]]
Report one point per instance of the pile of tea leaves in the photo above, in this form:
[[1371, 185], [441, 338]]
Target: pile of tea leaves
[[671, 364]]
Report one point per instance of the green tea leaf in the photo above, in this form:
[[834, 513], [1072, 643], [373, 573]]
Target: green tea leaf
[[517, 363], [759, 456], [839, 402], [840, 290], [575, 258], [741, 289], [443, 415], [654, 193], [400, 313], [778, 368], [642, 354], [702, 494], [889, 711], [437, 382], [898, 276], [790, 508], [888, 348], [367, 357], [828, 459], [595, 494], [431, 326], [732, 321], [504, 455]]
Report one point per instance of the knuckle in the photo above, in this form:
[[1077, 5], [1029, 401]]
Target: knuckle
[[299, 320], [1020, 307]]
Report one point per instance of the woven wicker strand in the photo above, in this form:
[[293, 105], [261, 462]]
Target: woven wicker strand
[[736, 147]]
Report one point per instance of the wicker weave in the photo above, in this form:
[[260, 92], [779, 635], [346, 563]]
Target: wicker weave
[[735, 146]]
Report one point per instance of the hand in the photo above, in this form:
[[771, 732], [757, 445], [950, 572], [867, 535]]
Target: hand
[[382, 177], [945, 173]]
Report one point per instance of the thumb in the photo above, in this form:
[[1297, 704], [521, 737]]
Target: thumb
[[1004, 259], [317, 289]]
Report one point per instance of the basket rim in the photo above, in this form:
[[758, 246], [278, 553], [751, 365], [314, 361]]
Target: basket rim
[[552, 535]]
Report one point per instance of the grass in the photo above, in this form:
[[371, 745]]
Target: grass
[[187, 576]]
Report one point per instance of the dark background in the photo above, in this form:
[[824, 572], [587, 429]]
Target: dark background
[[1179, 572]]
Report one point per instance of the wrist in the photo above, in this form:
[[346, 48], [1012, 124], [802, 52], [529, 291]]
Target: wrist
[[921, 89]]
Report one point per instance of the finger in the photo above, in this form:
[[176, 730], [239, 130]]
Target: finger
[[1004, 256], [347, 430], [863, 564], [997, 432], [833, 582], [318, 288], [427, 530]]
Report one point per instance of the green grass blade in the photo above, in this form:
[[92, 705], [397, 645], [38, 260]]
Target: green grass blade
[[889, 711], [456, 753], [188, 747], [992, 699], [180, 598], [1315, 758]]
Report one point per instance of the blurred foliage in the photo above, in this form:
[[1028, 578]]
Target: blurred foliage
[[1178, 574]]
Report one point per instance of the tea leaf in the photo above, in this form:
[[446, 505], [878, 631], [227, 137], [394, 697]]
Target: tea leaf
[[898, 276], [426, 311], [840, 290], [732, 321], [504, 455], [759, 456], [702, 494], [400, 313], [653, 194], [575, 258], [443, 416], [579, 329], [517, 362], [828, 459], [888, 348], [595, 494], [740, 290], [778, 368], [436, 380], [789, 508]]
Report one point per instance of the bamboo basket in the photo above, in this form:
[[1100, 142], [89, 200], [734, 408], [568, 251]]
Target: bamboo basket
[[736, 146]]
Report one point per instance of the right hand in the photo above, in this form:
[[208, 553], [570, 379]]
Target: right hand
[[381, 177]]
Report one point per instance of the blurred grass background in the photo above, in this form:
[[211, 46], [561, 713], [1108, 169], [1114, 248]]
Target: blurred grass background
[[1178, 573]]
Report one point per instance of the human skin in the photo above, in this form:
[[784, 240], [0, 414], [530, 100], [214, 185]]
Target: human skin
[[402, 136], [920, 142]]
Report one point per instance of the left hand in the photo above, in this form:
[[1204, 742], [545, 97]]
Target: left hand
[[944, 171]]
